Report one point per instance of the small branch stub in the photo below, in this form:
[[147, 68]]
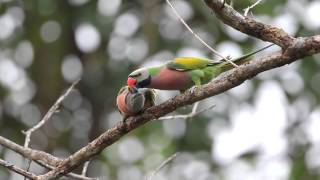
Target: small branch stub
[[162, 165]]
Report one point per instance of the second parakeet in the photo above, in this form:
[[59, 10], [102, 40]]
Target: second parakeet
[[131, 103]]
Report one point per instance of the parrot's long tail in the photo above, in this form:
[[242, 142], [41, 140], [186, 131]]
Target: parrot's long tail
[[241, 60]]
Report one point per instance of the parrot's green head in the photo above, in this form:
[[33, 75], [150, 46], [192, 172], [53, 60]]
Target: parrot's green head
[[139, 78]]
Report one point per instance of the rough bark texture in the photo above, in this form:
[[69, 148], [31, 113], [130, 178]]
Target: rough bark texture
[[17, 170], [30, 153], [249, 26]]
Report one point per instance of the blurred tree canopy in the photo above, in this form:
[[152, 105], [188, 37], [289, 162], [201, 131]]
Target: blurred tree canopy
[[267, 128]]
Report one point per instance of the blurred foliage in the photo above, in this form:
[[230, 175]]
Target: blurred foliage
[[47, 44]]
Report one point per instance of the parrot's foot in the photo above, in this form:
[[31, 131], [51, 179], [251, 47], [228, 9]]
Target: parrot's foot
[[192, 89], [182, 91], [124, 118]]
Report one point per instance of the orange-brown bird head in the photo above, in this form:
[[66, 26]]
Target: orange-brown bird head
[[130, 104]]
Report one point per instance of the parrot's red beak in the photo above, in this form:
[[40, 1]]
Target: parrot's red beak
[[132, 84]]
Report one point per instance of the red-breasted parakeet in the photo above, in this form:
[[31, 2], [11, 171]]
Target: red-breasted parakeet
[[182, 73]]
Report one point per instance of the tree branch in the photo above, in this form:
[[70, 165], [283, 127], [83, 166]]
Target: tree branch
[[249, 26], [42, 158], [30, 153], [73, 175], [46, 118], [298, 48], [162, 165], [17, 169], [48, 115], [193, 113], [85, 168]]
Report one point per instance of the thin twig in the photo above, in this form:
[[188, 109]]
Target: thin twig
[[17, 169], [42, 158], [246, 10], [231, 3], [30, 153], [163, 164], [195, 107], [51, 111], [39, 155], [187, 116], [46, 118], [198, 37], [73, 175], [85, 168]]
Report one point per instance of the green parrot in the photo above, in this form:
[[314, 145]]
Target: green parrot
[[182, 73], [131, 103]]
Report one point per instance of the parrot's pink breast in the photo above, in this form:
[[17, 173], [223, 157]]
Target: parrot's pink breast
[[168, 79]]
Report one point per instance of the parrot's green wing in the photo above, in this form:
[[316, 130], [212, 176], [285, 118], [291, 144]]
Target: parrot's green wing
[[189, 63], [194, 63], [135, 102]]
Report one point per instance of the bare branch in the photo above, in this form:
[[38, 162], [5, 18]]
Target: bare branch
[[193, 113], [46, 118], [163, 164], [195, 107], [249, 26], [44, 159], [246, 11], [72, 175], [30, 153], [85, 168], [198, 37], [17, 169]]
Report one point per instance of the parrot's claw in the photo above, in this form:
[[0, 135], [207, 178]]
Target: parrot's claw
[[124, 118], [192, 89]]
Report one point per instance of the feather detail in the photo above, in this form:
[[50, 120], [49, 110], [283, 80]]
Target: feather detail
[[169, 79], [188, 63], [130, 104], [242, 60]]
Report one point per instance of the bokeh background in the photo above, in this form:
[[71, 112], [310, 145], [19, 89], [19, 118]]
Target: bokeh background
[[268, 128]]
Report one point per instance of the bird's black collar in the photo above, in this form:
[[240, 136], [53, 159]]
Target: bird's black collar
[[144, 83]]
